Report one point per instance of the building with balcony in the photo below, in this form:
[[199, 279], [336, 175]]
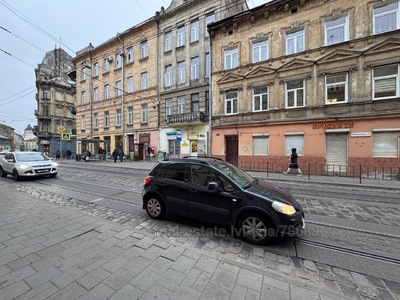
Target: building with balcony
[[184, 73], [7, 142], [55, 99], [319, 76]]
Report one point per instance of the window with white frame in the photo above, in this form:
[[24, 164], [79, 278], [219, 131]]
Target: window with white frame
[[106, 119], [231, 58], [386, 18], [96, 120], [168, 107], [181, 104], [386, 82], [260, 98], [83, 97], [336, 88], [294, 140], [181, 72], [106, 91], [180, 35], [209, 19], [118, 88], [143, 49], [294, 93], [46, 94], [130, 84], [129, 55], [194, 102], [118, 117], [194, 65], [118, 61], [145, 113], [386, 143], [260, 144], [83, 122], [106, 65], [144, 81], [83, 74], [194, 31], [260, 51], [336, 31], [208, 64], [96, 94], [295, 42], [96, 69], [168, 76], [168, 41], [231, 102], [130, 115]]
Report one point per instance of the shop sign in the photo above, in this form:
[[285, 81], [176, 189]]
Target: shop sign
[[360, 134], [333, 125], [193, 135]]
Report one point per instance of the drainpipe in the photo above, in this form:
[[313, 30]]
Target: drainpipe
[[122, 54], [210, 99], [91, 93]]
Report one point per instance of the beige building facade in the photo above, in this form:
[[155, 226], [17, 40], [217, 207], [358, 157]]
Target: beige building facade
[[319, 76]]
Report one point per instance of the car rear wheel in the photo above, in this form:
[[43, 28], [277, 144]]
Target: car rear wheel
[[16, 175], [2, 173], [155, 208], [255, 229]]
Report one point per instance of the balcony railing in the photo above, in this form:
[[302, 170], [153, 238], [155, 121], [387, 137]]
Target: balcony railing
[[196, 116]]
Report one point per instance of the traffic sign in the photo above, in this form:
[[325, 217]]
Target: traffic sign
[[65, 136], [179, 135], [61, 128]]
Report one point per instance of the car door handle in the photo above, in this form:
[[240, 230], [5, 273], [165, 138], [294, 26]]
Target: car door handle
[[234, 200], [192, 190]]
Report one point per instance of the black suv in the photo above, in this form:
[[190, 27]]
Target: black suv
[[213, 190]]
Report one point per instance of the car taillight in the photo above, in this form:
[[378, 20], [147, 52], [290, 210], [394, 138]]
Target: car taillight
[[147, 180]]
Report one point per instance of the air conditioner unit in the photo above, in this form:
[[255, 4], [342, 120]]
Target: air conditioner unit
[[110, 59]]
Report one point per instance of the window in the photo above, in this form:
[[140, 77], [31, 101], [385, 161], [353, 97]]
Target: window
[[130, 115], [175, 172], [231, 103], [336, 31], [294, 93], [202, 175], [386, 82], [83, 74], [260, 51], [144, 80], [194, 102], [386, 18], [207, 102], [118, 61], [260, 144], [168, 107], [231, 58], [168, 76], [130, 84], [194, 31], [129, 55], [294, 141], [96, 94], [118, 117], [180, 37], [195, 72], [386, 144], [106, 65], [181, 72], [260, 98], [83, 97], [181, 104], [336, 88], [168, 41], [118, 88], [145, 113], [106, 119], [295, 42], [96, 120], [46, 94], [96, 69], [174, 147], [208, 64], [106, 91], [83, 122], [143, 49], [209, 19]]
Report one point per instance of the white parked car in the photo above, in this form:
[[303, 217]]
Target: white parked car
[[27, 164]]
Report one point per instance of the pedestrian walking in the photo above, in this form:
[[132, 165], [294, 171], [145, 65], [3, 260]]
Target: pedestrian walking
[[293, 163], [58, 155], [121, 155], [69, 153], [115, 155]]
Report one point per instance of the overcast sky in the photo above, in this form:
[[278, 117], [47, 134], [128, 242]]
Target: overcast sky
[[29, 29]]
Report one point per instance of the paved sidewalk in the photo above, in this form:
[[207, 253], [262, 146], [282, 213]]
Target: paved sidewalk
[[54, 247]]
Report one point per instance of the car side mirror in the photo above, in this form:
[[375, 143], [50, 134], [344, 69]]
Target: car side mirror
[[213, 186]]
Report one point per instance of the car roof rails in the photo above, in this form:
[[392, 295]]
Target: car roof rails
[[200, 157]]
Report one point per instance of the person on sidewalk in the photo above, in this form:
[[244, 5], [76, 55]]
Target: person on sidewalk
[[115, 155], [58, 155], [121, 155], [293, 163]]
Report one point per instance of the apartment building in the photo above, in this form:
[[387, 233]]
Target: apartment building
[[319, 76], [55, 99], [117, 93]]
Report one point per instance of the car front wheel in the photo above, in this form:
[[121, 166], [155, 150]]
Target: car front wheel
[[255, 229], [16, 175], [155, 208]]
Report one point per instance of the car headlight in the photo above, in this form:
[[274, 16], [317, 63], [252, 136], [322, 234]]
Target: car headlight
[[22, 166], [55, 165], [283, 208]]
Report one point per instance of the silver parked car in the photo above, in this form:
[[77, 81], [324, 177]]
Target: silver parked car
[[27, 164]]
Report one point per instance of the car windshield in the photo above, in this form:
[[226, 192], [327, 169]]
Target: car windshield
[[240, 177], [31, 157]]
